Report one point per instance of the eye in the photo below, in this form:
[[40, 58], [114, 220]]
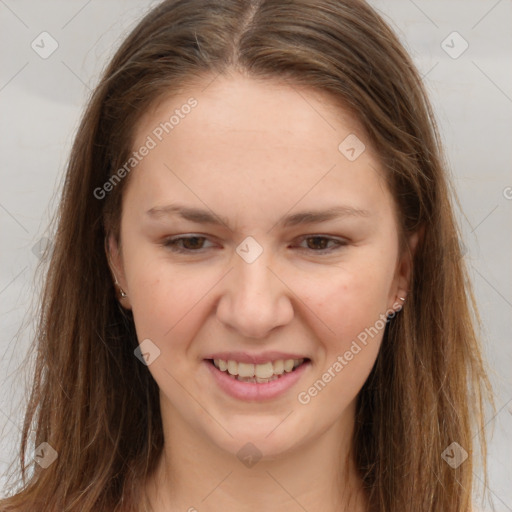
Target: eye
[[319, 243], [185, 244], [195, 244]]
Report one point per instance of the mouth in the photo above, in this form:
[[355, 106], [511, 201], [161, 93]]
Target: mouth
[[261, 373], [257, 381]]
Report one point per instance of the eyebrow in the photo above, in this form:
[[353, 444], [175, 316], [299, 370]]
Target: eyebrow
[[200, 216]]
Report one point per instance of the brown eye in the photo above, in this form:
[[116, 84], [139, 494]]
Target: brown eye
[[320, 244], [188, 244]]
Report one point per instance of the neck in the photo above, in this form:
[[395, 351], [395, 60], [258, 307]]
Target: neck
[[195, 475]]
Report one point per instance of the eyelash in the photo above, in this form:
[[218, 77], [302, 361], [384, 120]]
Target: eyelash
[[171, 244]]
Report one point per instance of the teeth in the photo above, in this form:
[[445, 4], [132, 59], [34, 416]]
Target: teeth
[[252, 372], [233, 367], [244, 369], [257, 379], [261, 380], [278, 367], [288, 365], [264, 371]]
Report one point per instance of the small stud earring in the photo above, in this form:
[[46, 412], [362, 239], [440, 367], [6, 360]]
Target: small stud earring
[[122, 293], [402, 299]]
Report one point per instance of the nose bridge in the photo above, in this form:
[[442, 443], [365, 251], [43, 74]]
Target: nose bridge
[[253, 280], [255, 301]]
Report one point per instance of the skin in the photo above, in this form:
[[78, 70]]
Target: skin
[[251, 152]]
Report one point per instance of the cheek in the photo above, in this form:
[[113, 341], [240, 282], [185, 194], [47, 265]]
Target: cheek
[[352, 299], [354, 307], [165, 297], [160, 293]]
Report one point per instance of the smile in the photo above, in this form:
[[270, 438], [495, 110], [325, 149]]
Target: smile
[[256, 382]]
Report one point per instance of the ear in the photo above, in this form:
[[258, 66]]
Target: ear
[[115, 263], [404, 268]]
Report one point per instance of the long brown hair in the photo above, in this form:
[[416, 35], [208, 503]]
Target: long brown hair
[[93, 401]]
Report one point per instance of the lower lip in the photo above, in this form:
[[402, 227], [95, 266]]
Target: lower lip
[[254, 391]]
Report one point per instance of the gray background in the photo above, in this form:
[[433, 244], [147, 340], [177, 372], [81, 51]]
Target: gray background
[[41, 101]]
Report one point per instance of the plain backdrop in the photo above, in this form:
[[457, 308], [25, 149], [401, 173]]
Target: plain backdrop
[[463, 49]]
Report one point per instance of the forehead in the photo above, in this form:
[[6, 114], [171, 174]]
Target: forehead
[[255, 139], [285, 112]]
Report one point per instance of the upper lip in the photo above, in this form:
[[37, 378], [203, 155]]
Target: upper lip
[[263, 357]]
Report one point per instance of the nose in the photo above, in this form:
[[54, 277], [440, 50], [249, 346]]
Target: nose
[[255, 299]]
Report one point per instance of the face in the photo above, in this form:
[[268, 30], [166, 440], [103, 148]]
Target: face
[[220, 261]]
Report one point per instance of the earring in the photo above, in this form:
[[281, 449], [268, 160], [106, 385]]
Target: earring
[[122, 293], [402, 299]]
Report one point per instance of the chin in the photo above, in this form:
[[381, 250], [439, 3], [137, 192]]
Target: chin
[[269, 440]]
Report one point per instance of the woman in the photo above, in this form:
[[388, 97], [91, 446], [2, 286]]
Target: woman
[[256, 298]]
